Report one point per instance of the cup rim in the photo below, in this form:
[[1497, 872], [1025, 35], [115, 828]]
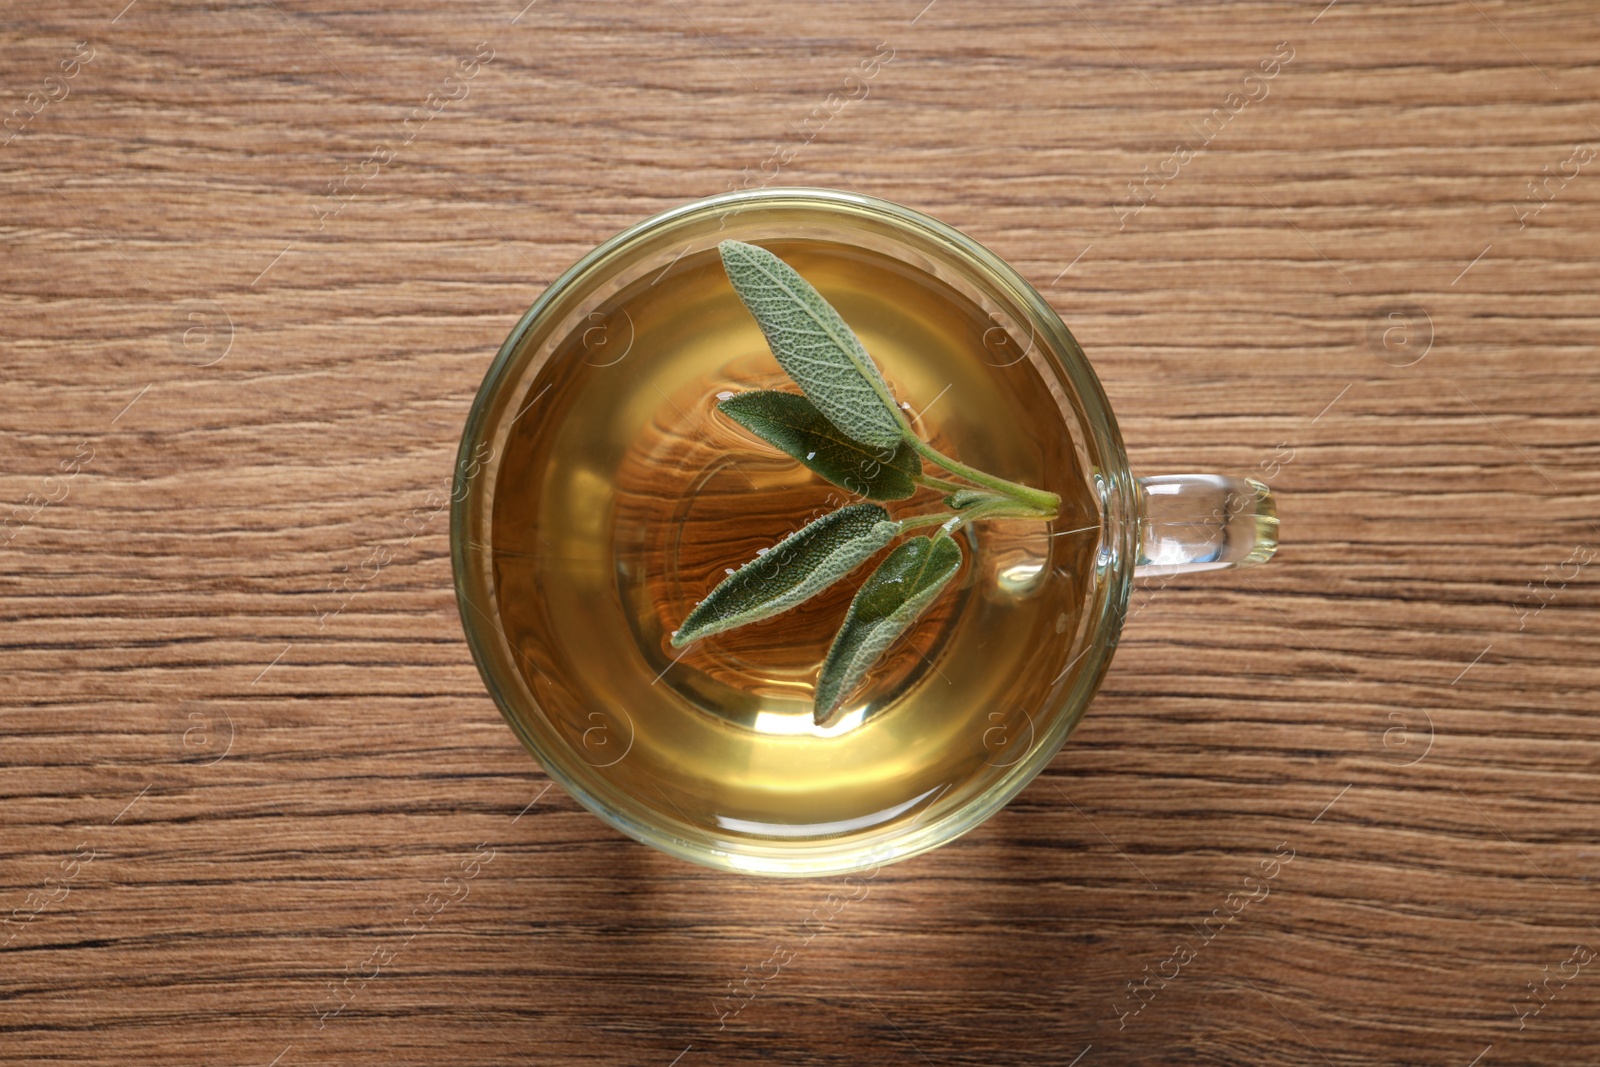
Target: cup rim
[[1118, 541]]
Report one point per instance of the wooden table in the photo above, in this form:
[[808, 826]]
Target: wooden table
[[256, 260]]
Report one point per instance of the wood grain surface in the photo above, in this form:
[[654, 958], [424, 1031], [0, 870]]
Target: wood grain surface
[[256, 259]]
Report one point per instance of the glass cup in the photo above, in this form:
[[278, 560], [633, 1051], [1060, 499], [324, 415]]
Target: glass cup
[[1145, 526]]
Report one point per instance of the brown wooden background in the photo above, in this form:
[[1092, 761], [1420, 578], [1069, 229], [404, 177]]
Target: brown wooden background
[[216, 803]]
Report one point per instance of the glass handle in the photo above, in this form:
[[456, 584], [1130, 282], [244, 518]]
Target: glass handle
[[1204, 522]]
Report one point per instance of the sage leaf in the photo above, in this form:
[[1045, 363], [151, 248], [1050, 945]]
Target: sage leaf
[[814, 346], [792, 571], [889, 601], [793, 424]]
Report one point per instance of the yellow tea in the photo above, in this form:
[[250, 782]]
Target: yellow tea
[[624, 497]]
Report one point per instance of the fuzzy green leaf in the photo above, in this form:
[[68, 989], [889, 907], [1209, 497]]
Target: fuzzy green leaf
[[889, 601], [814, 346], [793, 424], [792, 571]]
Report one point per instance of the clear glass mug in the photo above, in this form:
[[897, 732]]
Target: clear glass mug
[[1144, 525]]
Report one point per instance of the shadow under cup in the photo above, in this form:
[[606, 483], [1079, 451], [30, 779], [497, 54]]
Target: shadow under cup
[[598, 495]]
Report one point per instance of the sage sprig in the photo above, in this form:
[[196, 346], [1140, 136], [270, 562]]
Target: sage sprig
[[848, 428]]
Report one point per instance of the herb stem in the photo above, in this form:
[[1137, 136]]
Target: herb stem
[[925, 520], [1046, 504], [1000, 509], [937, 483]]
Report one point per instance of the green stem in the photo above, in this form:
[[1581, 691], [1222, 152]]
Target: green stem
[[1047, 504], [925, 520], [937, 483], [1000, 509]]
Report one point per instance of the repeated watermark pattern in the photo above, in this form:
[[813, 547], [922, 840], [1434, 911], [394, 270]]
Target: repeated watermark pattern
[[53, 489], [203, 735], [608, 737], [1407, 738], [454, 888], [54, 88], [855, 88], [1553, 579], [204, 335], [1006, 743], [1256, 887], [356, 177], [605, 340], [1254, 88], [54, 891], [1401, 335], [57, 888], [202, 332], [1541, 995], [346, 584], [754, 980], [1542, 193]]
